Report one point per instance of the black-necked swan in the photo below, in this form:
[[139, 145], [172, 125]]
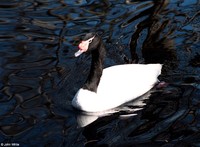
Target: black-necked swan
[[108, 88]]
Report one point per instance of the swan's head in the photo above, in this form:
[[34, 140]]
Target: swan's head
[[89, 42]]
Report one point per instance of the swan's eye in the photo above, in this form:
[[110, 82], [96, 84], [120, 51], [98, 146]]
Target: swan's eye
[[90, 40]]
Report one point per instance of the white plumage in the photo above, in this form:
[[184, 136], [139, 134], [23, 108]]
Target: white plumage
[[118, 85]]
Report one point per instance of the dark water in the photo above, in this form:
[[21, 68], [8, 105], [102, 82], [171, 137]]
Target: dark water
[[39, 74]]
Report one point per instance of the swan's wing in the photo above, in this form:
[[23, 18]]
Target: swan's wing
[[122, 83]]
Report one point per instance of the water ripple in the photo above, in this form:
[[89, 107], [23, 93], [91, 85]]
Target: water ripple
[[39, 74]]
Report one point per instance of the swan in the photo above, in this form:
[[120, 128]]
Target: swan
[[113, 86]]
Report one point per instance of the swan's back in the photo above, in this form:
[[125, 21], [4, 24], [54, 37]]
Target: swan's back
[[123, 83]]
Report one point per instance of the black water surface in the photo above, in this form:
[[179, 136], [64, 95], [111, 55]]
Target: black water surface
[[39, 74]]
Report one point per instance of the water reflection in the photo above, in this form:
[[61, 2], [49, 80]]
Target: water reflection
[[157, 46], [39, 75]]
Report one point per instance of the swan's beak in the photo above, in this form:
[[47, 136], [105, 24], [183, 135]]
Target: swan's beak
[[83, 46], [78, 53]]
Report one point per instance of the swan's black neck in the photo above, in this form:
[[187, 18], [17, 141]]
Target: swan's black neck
[[96, 69]]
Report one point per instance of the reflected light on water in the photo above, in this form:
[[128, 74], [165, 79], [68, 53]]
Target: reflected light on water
[[39, 74]]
